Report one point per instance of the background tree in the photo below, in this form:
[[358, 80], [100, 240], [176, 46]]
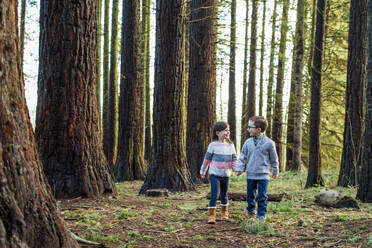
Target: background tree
[[106, 78], [278, 107], [314, 176], [130, 162], [201, 114], [260, 105], [146, 74], [355, 93], [269, 107], [99, 63], [244, 125], [365, 184], [298, 51], [169, 167], [112, 114], [231, 117], [67, 119], [28, 212], [251, 102]]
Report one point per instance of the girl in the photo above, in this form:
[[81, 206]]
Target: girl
[[220, 157]]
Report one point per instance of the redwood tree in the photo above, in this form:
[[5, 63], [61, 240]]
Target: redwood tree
[[169, 167], [355, 92], [201, 113], [28, 213], [67, 127], [365, 183], [130, 161], [314, 176]]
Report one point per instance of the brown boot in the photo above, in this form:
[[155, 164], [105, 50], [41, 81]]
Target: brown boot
[[225, 212], [211, 215]]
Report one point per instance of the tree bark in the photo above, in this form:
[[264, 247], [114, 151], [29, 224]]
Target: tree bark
[[99, 63], [251, 101], [22, 28], [244, 125], [130, 162], [295, 164], [169, 167], [231, 116], [278, 107], [314, 176], [202, 83], [271, 72], [355, 93], [365, 184], [67, 128], [28, 213], [112, 115]]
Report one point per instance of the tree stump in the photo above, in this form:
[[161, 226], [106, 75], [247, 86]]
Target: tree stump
[[157, 192]]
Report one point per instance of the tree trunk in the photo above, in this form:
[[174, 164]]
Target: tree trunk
[[106, 78], [112, 115], [28, 213], [314, 176], [99, 64], [67, 119], [251, 102], [298, 74], [146, 74], [278, 109], [355, 93], [260, 105], [169, 167], [271, 72], [365, 183], [231, 116], [22, 29], [202, 83], [244, 125], [130, 163]]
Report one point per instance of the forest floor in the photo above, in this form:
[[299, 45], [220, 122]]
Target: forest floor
[[179, 220]]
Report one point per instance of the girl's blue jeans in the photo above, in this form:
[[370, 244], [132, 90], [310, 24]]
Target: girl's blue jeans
[[260, 187], [219, 185]]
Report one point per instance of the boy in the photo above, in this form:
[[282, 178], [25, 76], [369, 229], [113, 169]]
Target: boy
[[260, 154]]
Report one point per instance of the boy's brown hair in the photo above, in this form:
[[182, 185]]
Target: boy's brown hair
[[259, 122]]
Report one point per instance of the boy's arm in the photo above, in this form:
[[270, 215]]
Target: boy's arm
[[274, 161], [239, 167]]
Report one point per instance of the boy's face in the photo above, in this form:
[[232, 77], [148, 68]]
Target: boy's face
[[253, 130]]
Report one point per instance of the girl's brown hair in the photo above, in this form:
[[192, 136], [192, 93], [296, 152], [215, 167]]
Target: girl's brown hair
[[218, 127]]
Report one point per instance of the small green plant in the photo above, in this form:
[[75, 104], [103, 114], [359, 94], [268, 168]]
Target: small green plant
[[197, 237], [187, 206], [354, 239], [369, 243], [125, 214], [257, 227], [341, 217]]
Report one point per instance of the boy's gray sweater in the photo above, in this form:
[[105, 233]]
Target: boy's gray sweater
[[259, 158]]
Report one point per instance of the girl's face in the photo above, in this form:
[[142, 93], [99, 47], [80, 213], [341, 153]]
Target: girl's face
[[224, 134]]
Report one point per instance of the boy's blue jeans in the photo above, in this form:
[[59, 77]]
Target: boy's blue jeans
[[252, 187], [219, 185]]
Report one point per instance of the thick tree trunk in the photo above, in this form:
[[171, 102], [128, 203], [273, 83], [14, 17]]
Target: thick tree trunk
[[251, 102], [99, 63], [355, 93], [260, 105], [146, 74], [295, 164], [169, 167], [202, 83], [67, 119], [365, 184], [28, 213], [112, 115], [22, 28], [130, 162], [231, 116], [314, 176], [278, 109], [244, 125], [269, 108]]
